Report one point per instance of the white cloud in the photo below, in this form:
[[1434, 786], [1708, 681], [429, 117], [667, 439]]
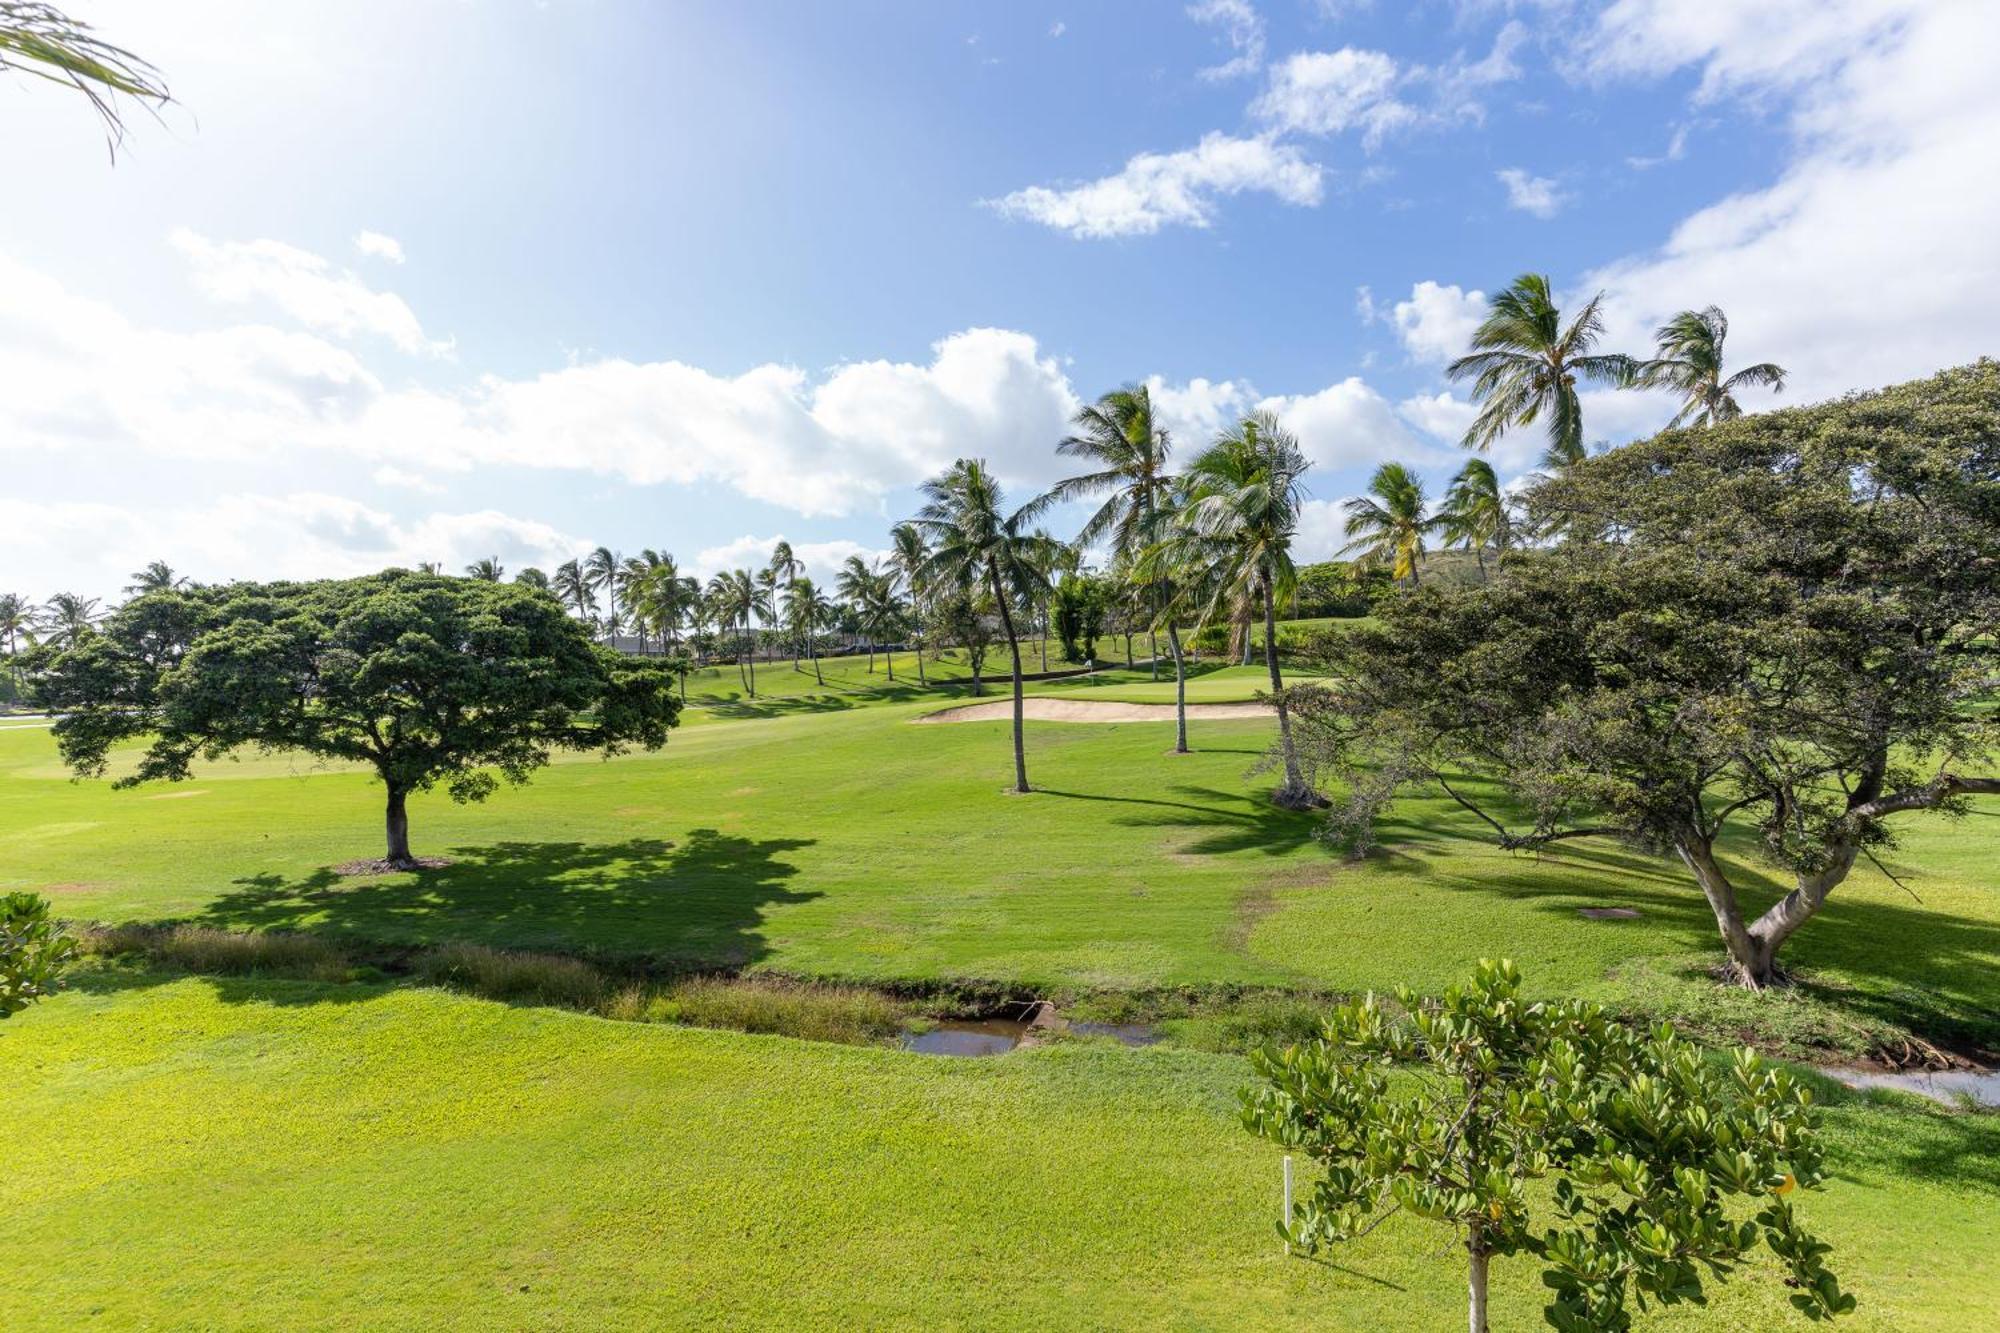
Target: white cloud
[[1328, 92], [1437, 322], [1196, 412], [301, 535], [821, 560], [302, 285], [1538, 195], [1242, 27], [1349, 425], [1871, 258], [390, 475], [1156, 190], [377, 246], [1442, 415], [1321, 531], [1058, 28], [1675, 150], [76, 372]]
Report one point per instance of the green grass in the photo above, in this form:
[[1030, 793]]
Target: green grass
[[851, 845], [241, 1153], [234, 1148]]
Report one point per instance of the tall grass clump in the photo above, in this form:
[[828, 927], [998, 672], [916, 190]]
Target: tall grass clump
[[810, 1011], [205, 949], [502, 974]]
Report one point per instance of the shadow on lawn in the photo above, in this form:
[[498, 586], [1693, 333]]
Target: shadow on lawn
[[1239, 822], [1906, 966], [699, 901]]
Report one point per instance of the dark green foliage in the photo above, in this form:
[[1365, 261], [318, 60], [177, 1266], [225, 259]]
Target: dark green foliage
[[1786, 619], [33, 952], [1340, 588], [1656, 1153], [1079, 608], [425, 679]]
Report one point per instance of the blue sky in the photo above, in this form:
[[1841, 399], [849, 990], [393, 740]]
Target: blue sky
[[441, 279]]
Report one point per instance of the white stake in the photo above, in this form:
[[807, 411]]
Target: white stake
[[1288, 1200]]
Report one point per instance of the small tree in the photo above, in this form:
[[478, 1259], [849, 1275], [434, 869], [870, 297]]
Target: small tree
[[1651, 1146], [425, 679], [33, 952]]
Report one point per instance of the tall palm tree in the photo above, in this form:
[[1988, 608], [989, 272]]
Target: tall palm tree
[[881, 613], [738, 598], [17, 621], [157, 576], [1688, 360], [1526, 362], [1388, 524], [487, 568], [785, 568], [974, 540], [1476, 512], [573, 589], [808, 611], [601, 569], [68, 617], [851, 586], [1126, 451], [1244, 492], [907, 554]]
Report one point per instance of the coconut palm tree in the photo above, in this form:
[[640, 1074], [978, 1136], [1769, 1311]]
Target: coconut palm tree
[[601, 570], [487, 568], [1126, 451], [39, 40], [808, 611], [785, 568], [1244, 492], [907, 554], [973, 540], [1388, 524], [881, 614], [1688, 360], [17, 621], [1476, 512], [573, 589], [157, 576], [1526, 362], [851, 586], [68, 618]]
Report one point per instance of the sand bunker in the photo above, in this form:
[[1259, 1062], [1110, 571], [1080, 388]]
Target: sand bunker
[[1088, 710]]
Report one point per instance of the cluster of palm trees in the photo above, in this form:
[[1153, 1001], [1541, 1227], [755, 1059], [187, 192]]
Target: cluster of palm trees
[[1525, 365]]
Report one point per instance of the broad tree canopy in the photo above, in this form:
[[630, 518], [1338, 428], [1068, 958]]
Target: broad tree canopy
[[1787, 619], [426, 679]]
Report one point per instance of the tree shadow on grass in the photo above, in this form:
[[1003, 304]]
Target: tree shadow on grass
[[1891, 965], [699, 902], [1237, 821]]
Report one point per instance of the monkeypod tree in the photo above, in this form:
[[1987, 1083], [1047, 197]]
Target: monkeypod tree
[[1784, 621], [425, 679], [1656, 1153]]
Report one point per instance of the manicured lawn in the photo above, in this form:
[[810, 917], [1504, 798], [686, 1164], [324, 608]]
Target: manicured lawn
[[286, 1155], [849, 843]]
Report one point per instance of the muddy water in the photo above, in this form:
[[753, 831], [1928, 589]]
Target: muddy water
[[997, 1036], [1941, 1085], [983, 1036]]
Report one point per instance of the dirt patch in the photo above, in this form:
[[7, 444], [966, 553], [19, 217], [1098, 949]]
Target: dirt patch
[[1253, 904], [378, 866], [176, 795], [65, 890], [1609, 913], [1087, 710]]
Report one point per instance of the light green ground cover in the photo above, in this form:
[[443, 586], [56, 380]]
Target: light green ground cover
[[192, 1153]]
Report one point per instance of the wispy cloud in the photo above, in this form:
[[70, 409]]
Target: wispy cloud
[[1242, 27], [1156, 190], [1537, 195]]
